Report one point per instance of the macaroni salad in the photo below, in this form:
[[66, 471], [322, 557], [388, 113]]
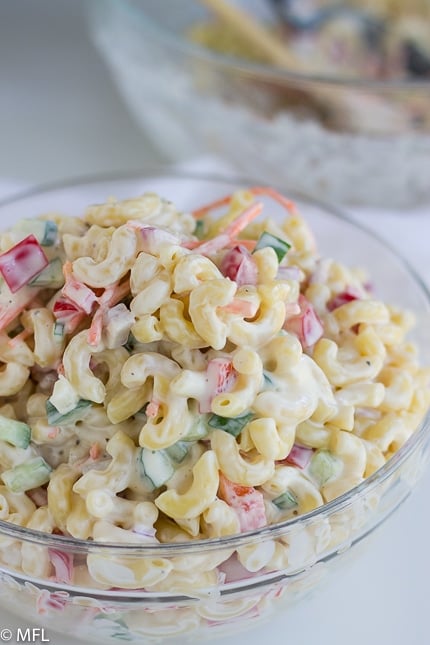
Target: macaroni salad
[[171, 376]]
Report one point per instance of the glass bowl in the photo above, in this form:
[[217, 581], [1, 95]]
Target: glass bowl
[[224, 598], [350, 141]]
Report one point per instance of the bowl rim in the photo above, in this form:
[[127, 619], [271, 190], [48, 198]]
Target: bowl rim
[[263, 71], [413, 444]]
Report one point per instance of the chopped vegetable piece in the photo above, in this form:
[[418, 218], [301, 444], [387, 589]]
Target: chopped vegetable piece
[[63, 565], [220, 377], [59, 330], [15, 432], [242, 307], [10, 308], [156, 466], [350, 294], [22, 263], [30, 474], [233, 229], [232, 425], [55, 418], [68, 314], [246, 501], [268, 381], [286, 501], [77, 292], [239, 265], [325, 466], [45, 231], [306, 325], [151, 237], [178, 451], [281, 247], [64, 397], [51, 276], [290, 273], [199, 229], [299, 456], [199, 429], [117, 322]]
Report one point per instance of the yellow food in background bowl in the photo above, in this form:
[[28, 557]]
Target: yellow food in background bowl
[[354, 129]]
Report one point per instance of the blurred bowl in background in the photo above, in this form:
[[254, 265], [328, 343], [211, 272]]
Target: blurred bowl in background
[[342, 134]]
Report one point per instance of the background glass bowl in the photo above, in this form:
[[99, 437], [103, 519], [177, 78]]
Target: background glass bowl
[[312, 545], [266, 122]]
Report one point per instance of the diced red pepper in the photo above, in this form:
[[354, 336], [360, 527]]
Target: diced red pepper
[[20, 264], [350, 294], [68, 313], [77, 292], [298, 456], [246, 501], [306, 325], [220, 377], [239, 265]]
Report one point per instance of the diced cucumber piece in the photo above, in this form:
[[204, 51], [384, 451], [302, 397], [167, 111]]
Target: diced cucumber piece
[[286, 501], [156, 466], [55, 418], [14, 432], [30, 474], [232, 425], [59, 330], [199, 429], [324, 466], [281, 247], [178, 451], [51, 276], [45, 231]]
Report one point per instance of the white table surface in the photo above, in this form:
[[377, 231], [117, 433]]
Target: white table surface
[[60, 117]]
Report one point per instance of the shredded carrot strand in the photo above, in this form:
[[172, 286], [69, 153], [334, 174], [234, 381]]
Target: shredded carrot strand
[[67, 270], [242, 221], [255, 190], [204, 210], [276, 196], [233, 229]]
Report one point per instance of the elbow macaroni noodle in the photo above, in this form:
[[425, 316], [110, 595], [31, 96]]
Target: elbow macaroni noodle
[[169, 394]]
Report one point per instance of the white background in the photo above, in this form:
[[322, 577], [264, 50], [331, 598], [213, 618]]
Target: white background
[[61, 117]]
